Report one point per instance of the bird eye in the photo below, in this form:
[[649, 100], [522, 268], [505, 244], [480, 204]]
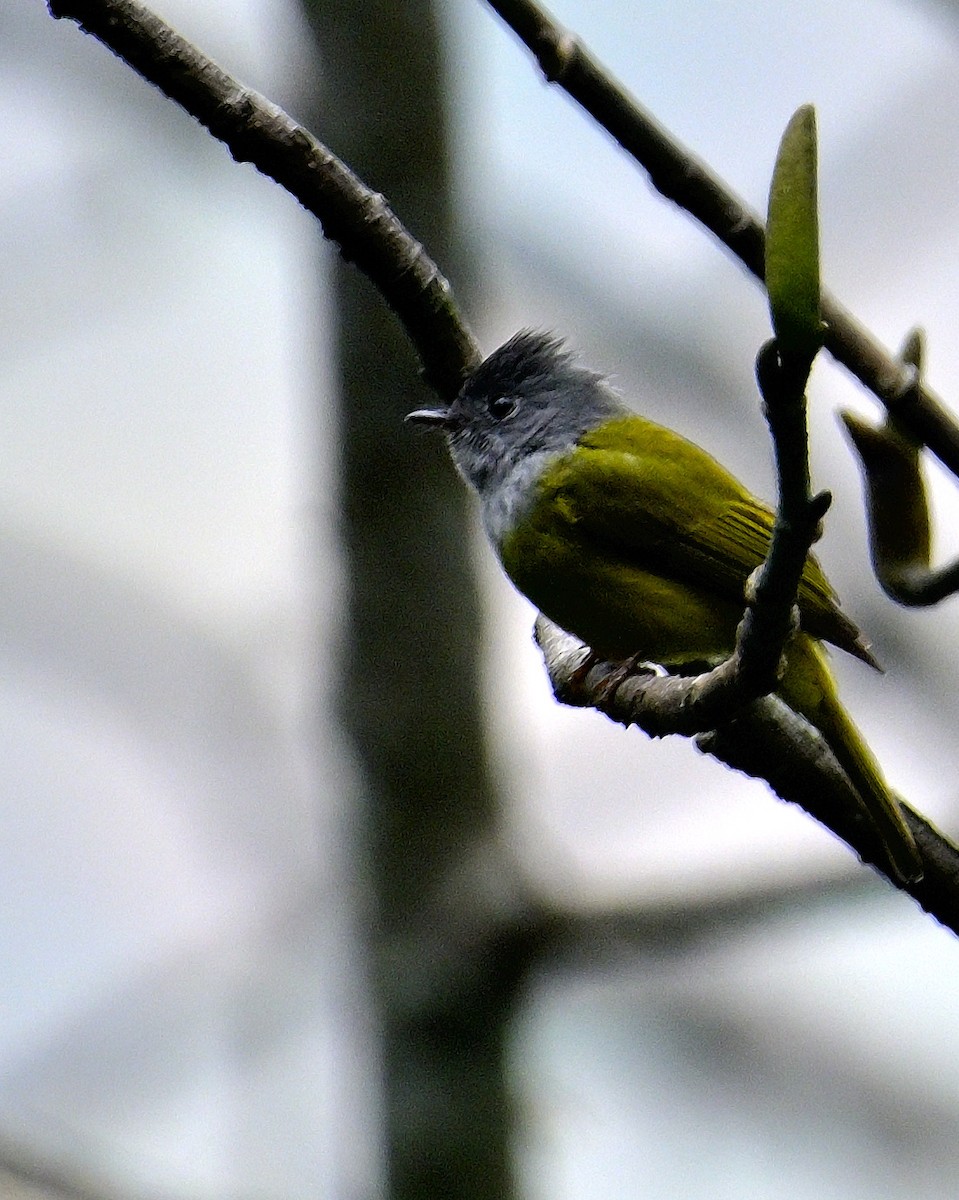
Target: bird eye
[[501, 407]]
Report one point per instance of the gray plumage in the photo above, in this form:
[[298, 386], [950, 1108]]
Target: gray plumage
[[524, 405]]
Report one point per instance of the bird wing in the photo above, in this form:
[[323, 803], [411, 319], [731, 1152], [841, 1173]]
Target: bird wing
[[653, 498]]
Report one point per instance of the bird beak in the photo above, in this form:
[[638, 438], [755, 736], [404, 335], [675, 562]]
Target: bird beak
[[433, 418]]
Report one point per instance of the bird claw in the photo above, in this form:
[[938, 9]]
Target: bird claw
[[619, 673]]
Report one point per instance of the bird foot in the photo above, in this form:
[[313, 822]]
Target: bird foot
[[618, 674]]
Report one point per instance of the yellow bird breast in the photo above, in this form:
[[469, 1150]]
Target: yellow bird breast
[[614, 604]]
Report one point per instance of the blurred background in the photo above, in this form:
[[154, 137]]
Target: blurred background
[[267, 706]]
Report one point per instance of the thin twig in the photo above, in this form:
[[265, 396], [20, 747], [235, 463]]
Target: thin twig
[[681, 177], [255, 130]]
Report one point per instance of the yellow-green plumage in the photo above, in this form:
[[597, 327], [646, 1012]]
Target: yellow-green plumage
[[640, 544]]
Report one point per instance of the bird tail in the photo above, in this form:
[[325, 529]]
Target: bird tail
[[808, 687]]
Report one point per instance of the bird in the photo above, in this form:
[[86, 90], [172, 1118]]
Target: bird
[[639, 543]]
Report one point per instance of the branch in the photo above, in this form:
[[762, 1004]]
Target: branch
[[765, 740], [360, 222], [255, 130], [730, 708], [681, 177]]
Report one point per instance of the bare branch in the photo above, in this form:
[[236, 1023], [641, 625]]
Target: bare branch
[[370, 235], [681, 177], [765, 740], [353, 216], [730, 707]]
